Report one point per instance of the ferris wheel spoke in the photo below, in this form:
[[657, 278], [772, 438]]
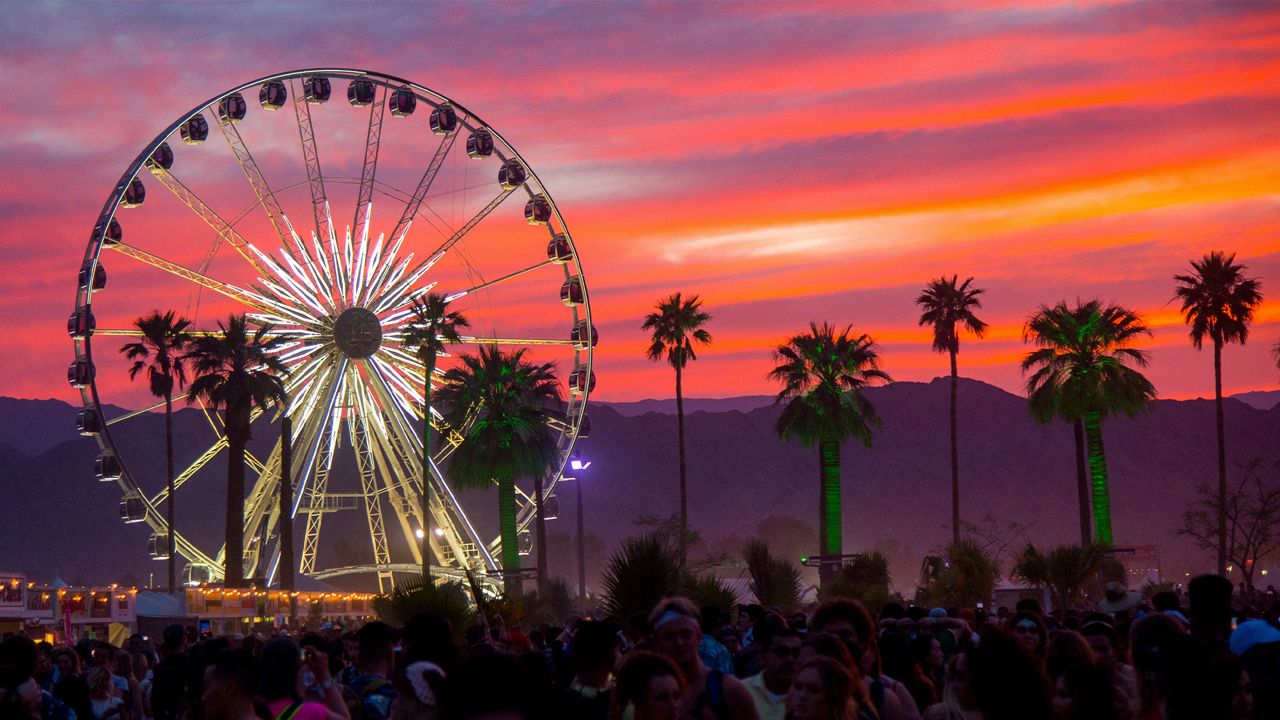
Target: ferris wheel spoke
[[225, 232], [460, 534], [424, 185], [467, 227], [373, 140], [491, 283], [366, 466], [150, 408], [227, 289], [253, 173], [473, 340], [311, 158]]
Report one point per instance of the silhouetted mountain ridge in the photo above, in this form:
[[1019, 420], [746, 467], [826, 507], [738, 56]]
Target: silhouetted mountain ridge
[[56, 516]]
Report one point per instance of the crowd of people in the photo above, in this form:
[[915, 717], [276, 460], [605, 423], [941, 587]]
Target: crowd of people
[[1151, 661]]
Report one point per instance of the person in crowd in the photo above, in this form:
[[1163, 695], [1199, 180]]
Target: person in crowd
[[429, 656], [1085, 692], [370, 692], [1152, 642], [1231, 688], [487, 685], [20, 695], [1257, 643], [169, 679], [710, 650], [958, 702], [710, 694], [594, 651], [142, 671], [1210, 609], [104, 702], [350, 653], [825, 644], [821, 690], [230, 685], [71, 688], [1029, 630], [1067, 649], [297, 683], [850, 621], [649, 686], [779, 649], [899, 663], [926, 652], [133, 690], [1006, 680]]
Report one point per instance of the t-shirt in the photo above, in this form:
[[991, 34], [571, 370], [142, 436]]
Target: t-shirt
[[375, 694], [102, 707], [310, 710], [768, 705]]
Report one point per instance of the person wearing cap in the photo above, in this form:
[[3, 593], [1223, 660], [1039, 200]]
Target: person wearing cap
[[369, 695], [709, 694], [1101, 636], [594, 651]]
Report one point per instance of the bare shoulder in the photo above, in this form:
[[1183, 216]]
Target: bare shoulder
[[738, 697]]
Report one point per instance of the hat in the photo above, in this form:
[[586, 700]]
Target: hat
[[1118, 599], [1250, 633], [937, 613], [517, 638]]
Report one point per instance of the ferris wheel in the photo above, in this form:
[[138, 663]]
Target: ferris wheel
[[233, 209]]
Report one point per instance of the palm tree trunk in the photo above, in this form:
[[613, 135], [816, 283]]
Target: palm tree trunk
[[1222, 459], [510, 543], [233, 560], [540, 525], [955, 456], [168, 449], [684, 508], [1098, 475], [286, 504], [424, 497], [1082, 485], [829, 522]]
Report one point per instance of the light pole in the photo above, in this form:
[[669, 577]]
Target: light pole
[[578, 465]]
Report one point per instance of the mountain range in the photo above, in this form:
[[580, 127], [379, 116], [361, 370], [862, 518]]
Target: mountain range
[[55, 518]]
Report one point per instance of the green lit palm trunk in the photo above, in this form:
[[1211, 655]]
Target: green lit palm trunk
[[1098, 478], [829, 522], [510, 542], [1082, 484]]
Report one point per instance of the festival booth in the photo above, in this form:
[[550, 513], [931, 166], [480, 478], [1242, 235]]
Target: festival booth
[[61, 613], [228, 611]]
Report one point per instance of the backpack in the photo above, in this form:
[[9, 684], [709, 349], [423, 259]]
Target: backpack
[[355, 700]]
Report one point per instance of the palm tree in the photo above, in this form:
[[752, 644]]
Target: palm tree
[[1066, 570], [502, 403], [237, 371], [432, 326], [676, 326], [823, 373], [158, 351], [944, 304], [1080, 371], [1218, 302]]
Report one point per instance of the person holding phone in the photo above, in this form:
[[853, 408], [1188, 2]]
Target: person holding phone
[[296, 683]]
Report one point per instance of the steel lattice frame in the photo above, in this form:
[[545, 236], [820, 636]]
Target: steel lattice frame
[[303, 284]]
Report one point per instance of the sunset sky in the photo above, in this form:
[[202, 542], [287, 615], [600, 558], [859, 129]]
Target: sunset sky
[[787, 162]]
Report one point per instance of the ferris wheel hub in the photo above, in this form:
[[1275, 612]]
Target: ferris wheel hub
[[357, 333]]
